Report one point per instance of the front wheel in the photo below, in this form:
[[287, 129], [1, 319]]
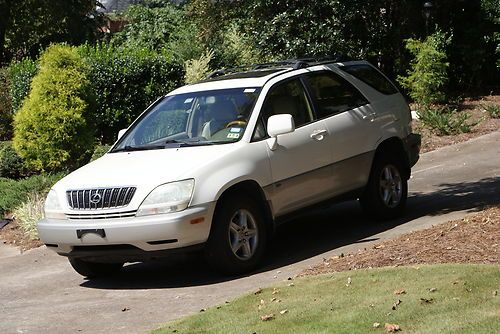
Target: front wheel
[[94, 269], [387, 190], [238, 237]]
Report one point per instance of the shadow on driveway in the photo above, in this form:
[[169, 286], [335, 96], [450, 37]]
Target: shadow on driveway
[[307, 236]]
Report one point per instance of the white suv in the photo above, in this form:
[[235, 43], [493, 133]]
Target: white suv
[[216, 165]]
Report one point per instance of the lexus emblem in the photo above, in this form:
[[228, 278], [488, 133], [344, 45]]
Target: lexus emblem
[[95, 198]]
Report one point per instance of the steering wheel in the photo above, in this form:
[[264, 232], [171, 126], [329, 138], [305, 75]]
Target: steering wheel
[[240, 123]]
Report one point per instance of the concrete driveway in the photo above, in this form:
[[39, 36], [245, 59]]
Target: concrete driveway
[[40, 293]]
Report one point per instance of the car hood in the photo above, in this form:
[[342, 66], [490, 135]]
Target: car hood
[[143, 169]]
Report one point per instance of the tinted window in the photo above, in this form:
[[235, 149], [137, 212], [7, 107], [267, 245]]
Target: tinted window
[[284, 98], [372, 77], [333, 94], [288, 98]]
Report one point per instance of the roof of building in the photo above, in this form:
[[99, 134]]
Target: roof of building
[[111, 6]]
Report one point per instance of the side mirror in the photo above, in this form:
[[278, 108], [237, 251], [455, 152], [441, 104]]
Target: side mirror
[[279, 125], [121, 133]]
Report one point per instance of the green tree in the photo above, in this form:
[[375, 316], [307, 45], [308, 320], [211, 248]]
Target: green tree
[[427, 78], [371, 29], [51, 130], [28, 26], [159, 25]]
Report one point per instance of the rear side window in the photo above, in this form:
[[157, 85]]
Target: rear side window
[[333, 94], [371, 76]]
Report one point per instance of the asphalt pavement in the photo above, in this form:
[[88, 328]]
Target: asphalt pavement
[[40, 293]]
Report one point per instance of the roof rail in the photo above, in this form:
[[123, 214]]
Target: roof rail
[[289, 63]]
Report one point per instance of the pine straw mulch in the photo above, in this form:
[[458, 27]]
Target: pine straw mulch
[[473, 106], [12, 234], [473, 239]]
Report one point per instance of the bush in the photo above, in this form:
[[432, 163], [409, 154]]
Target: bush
[[99, 151], [238, 49], [51, 131], [21, 74], [445, 121], [125, 82], [492, 109], [13, 193], [29, 213], [428, 76], [5, 106], [11, 164], [198, 69]]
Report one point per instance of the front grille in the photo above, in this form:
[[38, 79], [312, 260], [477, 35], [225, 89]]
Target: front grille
[[100, 198]]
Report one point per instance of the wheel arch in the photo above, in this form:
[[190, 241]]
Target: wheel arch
[[252, 189], [395, 146]]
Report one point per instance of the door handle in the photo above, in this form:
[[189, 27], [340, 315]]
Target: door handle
[[318, 134]]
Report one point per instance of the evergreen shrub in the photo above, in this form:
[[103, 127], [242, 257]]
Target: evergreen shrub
[[51, 131]]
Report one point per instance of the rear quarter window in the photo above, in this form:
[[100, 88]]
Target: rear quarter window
[[370, 76]]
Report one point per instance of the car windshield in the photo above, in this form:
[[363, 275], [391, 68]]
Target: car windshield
[[199, 118]]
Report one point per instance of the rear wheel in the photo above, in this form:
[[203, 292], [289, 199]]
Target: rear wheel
[[94, 269], [238, 237], [387, 190]]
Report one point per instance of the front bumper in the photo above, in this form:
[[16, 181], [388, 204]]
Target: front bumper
[[128, 239]]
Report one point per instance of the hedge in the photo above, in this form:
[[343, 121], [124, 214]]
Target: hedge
[[125, 82]]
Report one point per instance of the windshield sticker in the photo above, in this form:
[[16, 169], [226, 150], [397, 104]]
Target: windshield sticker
[[249, 90], [237, 130], [189, 100], [233, 135]]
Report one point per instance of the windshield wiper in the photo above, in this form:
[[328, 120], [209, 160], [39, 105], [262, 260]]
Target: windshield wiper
[[129, 148], [182, 143]]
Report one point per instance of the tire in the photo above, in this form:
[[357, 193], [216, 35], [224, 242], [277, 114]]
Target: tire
[[238, 237], [386, 193], [94, 269]]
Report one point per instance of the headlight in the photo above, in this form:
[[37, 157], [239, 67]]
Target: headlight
[[169, 197], [52, 208]]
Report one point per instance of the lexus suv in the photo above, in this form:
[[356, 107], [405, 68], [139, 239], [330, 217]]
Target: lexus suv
[[214, 166]]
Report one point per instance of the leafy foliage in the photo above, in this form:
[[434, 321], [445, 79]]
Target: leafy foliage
[[125, 82], [218, 24], [446, 121], [428, 76], [99, 151], [21, 74], [238, 48], [159, 25], [11, 164], [198, 69], [13, 193], [51, 131], [492, 109], [28, 26], [5, 107], [28, 213], [360, 28]]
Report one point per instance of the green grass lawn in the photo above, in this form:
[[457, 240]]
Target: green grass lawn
[[437, 299]]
